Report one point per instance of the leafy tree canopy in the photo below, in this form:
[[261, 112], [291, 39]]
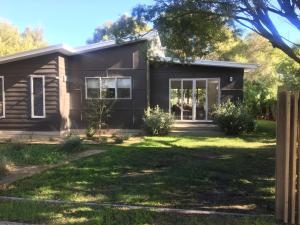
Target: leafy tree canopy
[[193, 26], [125, 27], [13, 41]]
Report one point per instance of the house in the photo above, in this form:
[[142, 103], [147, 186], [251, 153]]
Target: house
[[45, 90]]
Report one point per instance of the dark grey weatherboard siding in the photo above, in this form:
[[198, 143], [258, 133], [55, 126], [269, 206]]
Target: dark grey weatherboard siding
[[17, 94], [122, 61], [160, 73]]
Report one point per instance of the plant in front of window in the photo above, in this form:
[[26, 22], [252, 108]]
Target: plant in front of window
[[97, 113], [233, 118], [157, 122]]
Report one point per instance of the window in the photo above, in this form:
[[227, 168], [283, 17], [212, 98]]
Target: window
[[108, 87], [37, 96], [2, 98], [92, 87], [124, 87]]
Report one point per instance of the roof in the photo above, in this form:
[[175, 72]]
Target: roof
[[69, 51], [63, 49], [250, 66]]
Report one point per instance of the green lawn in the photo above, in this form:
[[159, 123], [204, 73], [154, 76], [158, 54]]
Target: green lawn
[[66, 214], [221, 173], [31, 154]]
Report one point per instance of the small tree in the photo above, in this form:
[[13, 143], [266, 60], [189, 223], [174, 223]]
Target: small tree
[[97, 113]]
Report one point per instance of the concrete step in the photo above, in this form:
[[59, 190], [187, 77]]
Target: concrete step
[[195, 129]]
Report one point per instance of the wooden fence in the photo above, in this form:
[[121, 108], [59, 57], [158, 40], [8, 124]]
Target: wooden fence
[[288, 158]]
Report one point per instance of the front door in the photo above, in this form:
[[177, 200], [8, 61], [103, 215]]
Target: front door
[[193, 99]]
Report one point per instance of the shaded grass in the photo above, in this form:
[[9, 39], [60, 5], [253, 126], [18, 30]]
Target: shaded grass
[[209, 172], [31, 154], [66, 214]]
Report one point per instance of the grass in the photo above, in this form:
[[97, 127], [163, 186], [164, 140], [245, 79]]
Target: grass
[[66, 214], [31, 154], [224, 173]]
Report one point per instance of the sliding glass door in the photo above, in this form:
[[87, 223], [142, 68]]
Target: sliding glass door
[[193, 99]]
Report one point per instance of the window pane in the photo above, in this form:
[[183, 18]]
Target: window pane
[[175, 99], [38, 97], [108, 86], [124, 87], [1, 97], [213, 96], [93, 87]]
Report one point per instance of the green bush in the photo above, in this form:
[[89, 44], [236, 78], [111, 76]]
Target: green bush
[[3, 165], [72, 144], [233, 118], [119, 138], [102, 140], [157, 122], [90, 132]]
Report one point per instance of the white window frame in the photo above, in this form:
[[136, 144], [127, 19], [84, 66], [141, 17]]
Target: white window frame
[[3, 98], [116, 87], [194, 86], [85, 85], [32, 98]]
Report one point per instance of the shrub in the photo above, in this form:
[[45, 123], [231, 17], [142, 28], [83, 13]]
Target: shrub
[[233, 118], [3, 165], [90, 132], [102, 140], [72, 144], [157, 122], [119, 138]]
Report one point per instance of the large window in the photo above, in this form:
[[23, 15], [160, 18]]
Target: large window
[[108, 87], [37, 96], [2, 98]]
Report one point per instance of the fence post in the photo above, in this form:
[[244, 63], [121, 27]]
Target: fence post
[[287, 158]]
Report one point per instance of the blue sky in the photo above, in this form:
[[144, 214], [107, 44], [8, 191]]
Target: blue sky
[[73, 21], [65, 21]]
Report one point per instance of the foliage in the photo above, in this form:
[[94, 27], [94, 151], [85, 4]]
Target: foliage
[[290, 73], [71, 144], [97, 113], [184, 23], [157, 122], [259, 100], [124, 28], [233, 118], [119, 138], [12, 41], [102, 140], [3, 165], [90, 132]]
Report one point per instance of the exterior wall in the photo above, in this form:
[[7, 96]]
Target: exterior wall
[[160, 73], [17, 94], [127, 61], [65, 86]]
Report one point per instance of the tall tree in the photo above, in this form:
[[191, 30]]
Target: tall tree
[[12, 41], [125, 27], [171, 16]]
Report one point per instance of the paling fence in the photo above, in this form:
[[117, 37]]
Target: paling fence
[[288, 158]]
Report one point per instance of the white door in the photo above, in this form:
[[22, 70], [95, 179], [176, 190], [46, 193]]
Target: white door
[[193, 99]]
